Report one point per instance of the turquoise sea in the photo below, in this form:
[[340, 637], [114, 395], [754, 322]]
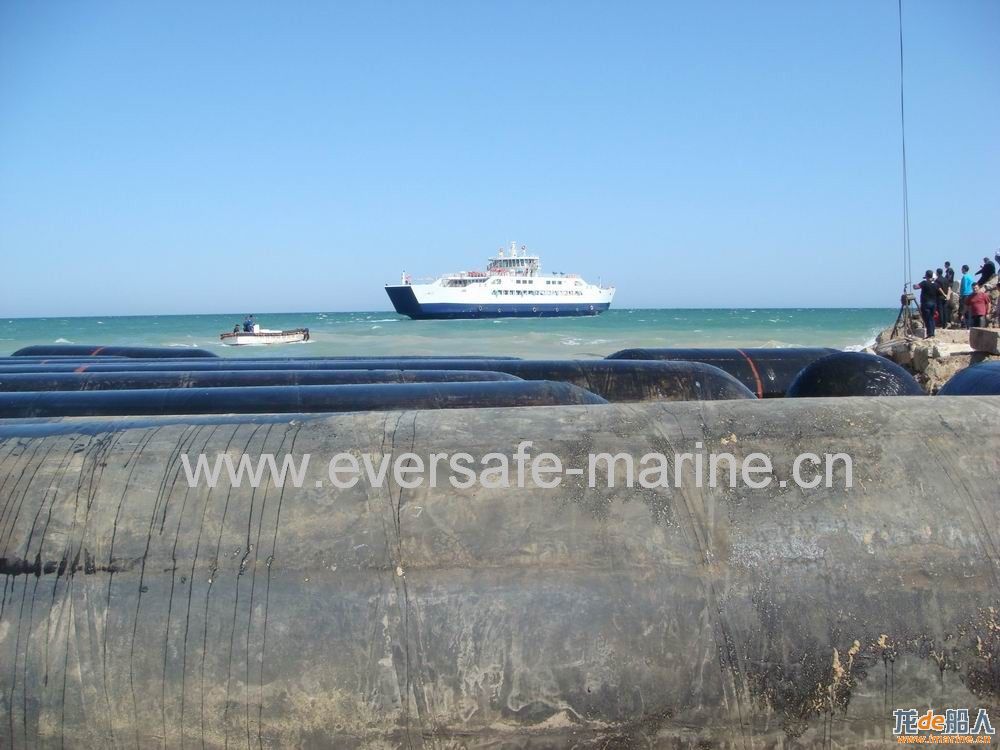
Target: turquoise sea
[[367, 333]]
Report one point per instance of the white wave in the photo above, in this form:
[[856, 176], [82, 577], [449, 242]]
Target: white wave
[[571, 342], [266, 343], [774, 344], [62, 341], [869, 343], [374, 327]]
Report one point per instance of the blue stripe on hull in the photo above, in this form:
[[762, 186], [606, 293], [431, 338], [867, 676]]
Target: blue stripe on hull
[[440, 312], [406, 303]]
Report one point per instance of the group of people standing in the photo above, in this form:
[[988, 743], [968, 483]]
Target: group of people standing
[[965, 303]]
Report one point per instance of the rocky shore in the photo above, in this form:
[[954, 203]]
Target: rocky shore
[[933, 361]]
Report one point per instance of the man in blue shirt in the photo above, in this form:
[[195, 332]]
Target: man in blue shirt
[[963, 294]]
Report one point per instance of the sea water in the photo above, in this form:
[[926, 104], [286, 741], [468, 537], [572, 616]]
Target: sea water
[[381, 333]]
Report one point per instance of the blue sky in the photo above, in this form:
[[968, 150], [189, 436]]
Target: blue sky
[[174, 157]]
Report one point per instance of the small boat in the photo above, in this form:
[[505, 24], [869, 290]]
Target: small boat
[[259, 336]]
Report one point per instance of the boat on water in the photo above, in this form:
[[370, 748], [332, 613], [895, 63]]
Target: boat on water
[[258, 336], [512, 286]]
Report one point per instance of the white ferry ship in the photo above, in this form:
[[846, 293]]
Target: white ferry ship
[[512, 285]]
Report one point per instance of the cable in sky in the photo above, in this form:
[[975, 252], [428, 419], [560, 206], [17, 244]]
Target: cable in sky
[[907, 265]]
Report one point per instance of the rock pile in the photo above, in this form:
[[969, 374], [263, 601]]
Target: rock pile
[[933, 361]]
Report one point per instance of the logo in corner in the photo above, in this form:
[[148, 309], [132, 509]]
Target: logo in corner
[[954, 725]]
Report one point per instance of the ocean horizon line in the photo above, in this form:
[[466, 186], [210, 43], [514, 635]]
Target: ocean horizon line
[[756, 308]]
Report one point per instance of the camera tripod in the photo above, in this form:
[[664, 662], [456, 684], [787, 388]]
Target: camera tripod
[[909, 317]]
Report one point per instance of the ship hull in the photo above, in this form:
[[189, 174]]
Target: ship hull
[[406, 303]]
